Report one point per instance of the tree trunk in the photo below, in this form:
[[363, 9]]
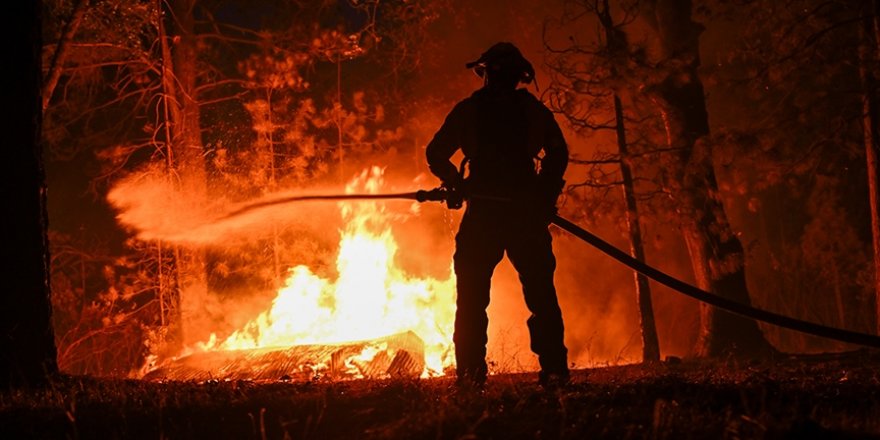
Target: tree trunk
[[716, 253], [650, 343], [869, 55], [27, 345], [55, 69], [617, 45], [187, 157]]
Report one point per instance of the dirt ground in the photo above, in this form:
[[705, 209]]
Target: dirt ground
[[807, 397]]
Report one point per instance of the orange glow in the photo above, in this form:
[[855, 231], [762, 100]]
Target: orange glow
[[371, 297]]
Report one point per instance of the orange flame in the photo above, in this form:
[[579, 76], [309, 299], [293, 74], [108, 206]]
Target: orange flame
[[371, 298]]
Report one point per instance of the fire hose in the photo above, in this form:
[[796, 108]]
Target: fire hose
[[441, 195]]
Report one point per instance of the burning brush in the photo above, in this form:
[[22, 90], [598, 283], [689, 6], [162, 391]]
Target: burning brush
[[374, 320]]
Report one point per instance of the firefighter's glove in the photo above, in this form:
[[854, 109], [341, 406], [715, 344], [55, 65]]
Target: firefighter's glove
[[454, 195]]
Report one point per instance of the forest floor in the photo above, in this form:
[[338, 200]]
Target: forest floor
[[807, 397]]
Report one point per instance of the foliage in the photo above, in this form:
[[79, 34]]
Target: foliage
[[303, 132], [106, 308], [796, 71], [110, 82]]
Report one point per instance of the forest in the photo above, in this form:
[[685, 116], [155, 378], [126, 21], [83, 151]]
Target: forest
[[732, 144], [147, 118]]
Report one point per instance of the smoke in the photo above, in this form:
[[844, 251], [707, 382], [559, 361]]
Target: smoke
[[151, 206]]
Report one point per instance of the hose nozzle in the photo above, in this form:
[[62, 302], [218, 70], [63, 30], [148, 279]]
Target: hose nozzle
[[431, 195], [453, 198]]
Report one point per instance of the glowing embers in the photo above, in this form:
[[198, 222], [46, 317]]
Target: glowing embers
[[400, 355]]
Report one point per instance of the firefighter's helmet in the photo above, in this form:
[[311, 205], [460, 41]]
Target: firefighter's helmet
[[505, 57]]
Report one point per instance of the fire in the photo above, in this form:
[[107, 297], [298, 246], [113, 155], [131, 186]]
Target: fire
[[371, 298]]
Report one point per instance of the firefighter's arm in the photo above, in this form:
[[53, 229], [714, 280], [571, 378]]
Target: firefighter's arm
[[555, 160], [445, 143]]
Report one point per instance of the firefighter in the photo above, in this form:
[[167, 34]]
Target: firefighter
[[511, 196]]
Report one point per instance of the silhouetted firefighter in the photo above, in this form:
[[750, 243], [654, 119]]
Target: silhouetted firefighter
[[501, 131]]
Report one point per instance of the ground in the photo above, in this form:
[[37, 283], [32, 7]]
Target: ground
[[806, 397]]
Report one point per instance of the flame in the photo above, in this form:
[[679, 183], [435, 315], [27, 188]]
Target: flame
[[371, 298]]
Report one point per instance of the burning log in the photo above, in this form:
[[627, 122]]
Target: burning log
[[399, 355]]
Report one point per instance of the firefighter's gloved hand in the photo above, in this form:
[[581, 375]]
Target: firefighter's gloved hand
[[454, 195]]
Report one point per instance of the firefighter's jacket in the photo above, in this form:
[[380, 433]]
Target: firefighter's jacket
[[501, 133]]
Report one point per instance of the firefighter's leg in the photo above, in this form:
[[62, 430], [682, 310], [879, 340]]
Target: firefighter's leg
[[478, 250], [530, 250]]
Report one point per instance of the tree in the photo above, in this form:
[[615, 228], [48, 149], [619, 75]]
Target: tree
[[608, 58], [617, 46], [105, 306], [717, 255], [802, 144], [104, 116], [61, 51], [27, 348], [660, 78], [869, 60], [184, 150], [147, 88]]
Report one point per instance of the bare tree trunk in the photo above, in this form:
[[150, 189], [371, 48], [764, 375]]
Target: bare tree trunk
[[650, 343], [869, 55], [616, 43], [185, 127], [186, 155], [169, 299], [716, 253], [27, 345], [61, 49]]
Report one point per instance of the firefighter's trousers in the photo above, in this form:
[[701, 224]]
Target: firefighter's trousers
[[488, 230]]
